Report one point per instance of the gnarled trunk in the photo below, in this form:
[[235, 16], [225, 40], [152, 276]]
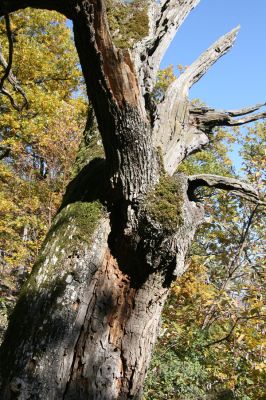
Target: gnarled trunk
[[85, 323], [87, 319]]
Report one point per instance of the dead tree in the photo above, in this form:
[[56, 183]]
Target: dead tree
[[87, 318]]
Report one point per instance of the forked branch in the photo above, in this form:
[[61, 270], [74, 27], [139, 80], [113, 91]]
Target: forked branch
[[236, 186], [164, 21], [207, 118]]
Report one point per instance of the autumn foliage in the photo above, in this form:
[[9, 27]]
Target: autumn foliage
[[211, 340]]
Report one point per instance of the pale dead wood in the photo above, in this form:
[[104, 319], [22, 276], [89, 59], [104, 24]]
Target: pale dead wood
[[164, 21], [173, 131], [246, 110], [199, 67], [180, 128], [207, 118]]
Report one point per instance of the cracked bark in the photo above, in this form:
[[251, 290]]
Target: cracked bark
[[87, 319]]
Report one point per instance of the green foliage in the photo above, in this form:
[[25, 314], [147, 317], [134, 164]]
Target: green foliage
[[253, 154], [42, 140]]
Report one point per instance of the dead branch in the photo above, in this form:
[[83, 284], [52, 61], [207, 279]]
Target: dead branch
[[174, 132], [164, 21], [199, 67], [207, 118], [246, 110], [237, 187]]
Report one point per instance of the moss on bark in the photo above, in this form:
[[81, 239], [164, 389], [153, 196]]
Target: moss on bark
[[128, 22], [165, 203]]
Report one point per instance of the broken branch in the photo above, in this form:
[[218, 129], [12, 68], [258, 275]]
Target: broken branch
[[199, 67], [246, 110], [205, 117], [175, 132], [164, 21], [237, 187]]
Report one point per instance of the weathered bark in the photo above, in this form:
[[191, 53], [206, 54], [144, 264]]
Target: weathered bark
[[87, 319], [236, 186], [85, 325]]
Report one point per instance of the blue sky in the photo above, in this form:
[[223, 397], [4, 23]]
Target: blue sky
[[239, 78]]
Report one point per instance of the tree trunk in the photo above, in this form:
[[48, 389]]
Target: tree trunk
[[85, 325], [87, 319]]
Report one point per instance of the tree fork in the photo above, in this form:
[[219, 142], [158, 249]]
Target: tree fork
[[87, 319]]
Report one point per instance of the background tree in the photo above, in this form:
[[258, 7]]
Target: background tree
[[38, 143], [89, 313]]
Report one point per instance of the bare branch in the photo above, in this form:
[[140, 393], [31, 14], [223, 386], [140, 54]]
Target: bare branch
[[246, 110], [237, 187], [243, 121], [175, 132], [172, 15], [11, 48], [207, 118], [199, 67]]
